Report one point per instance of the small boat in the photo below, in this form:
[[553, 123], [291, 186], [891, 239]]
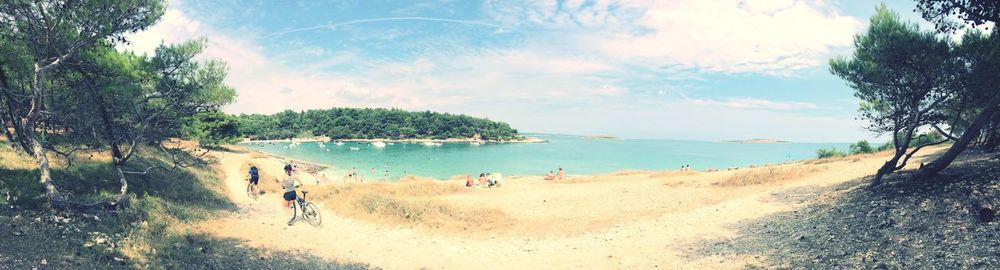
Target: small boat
[[475, 143], [390, 143], [355, 148], [378, 144], [339, 143], [431, 144]]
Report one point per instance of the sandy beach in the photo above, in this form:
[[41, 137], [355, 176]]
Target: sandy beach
[[632, 219]]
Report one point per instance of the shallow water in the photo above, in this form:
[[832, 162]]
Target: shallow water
[[576, 154]]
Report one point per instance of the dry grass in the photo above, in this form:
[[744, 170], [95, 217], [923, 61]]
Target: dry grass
[[16, 160], [770, 174], [410, 202], [630, 172], [665, 174]]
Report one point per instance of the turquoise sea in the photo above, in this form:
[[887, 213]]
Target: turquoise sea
[[576, 154]]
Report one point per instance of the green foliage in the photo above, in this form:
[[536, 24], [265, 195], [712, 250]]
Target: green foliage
[[211, 128], [369, 123], [943, 13], [926, 138], [900, 73], [861, 147], [830, 153]]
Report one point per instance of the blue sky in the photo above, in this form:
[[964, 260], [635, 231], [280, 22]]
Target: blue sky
[[684, 69]]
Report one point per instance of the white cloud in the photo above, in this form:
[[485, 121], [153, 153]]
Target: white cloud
[[775, 37], [752, 103], [266, 84], [611, 90], [562, 79]]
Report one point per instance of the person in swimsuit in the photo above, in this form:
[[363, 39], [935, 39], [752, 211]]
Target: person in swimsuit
[[560, 174], [289, 185]]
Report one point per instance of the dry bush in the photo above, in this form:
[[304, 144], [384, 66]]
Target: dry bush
[[771, 174]]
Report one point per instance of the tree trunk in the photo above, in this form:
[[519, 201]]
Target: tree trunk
[[28, 125], [900, 149], [888, 167], [117, 199], [971, 132], [44, 173]]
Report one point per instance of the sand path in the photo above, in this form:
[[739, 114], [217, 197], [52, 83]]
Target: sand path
[[624, 221]]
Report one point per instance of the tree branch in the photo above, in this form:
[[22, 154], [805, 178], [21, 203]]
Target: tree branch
[[907, 158], [945, 134]]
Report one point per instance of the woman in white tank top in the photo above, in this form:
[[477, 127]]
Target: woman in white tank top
[[289, 185]]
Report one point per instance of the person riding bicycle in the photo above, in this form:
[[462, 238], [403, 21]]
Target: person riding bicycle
[[289, 185], [254, 176]]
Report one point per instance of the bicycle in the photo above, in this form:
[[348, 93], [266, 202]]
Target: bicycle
[[252, 190], [310, 212]]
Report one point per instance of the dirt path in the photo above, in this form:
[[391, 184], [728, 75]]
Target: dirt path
[[628, 221]]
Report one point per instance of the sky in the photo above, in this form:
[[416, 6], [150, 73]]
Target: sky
[[678, 69]]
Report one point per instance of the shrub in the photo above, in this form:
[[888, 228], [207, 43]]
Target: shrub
[[829, 153], [861, 147]]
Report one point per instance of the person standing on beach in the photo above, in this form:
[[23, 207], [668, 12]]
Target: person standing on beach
[[561, 174]]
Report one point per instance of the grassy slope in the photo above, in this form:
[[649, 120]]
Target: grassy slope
[[899, 225], [152, 233]]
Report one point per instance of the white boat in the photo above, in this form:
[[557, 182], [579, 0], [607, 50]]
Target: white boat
[[431, 144], [390, 143], [339, 143], [355, 148], [378, 144], [475, 143]]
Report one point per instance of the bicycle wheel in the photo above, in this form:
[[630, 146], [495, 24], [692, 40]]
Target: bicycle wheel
[[252, 192], [312, 215]]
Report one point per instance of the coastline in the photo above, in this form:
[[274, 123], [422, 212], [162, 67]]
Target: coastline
[[318, 169], [450, 140]]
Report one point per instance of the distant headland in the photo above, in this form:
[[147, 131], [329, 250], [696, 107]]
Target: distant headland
[[602, 137], [757, 141]]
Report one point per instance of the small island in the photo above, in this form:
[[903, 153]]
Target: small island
[[757, 141], [602, 137], [375, 125]]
